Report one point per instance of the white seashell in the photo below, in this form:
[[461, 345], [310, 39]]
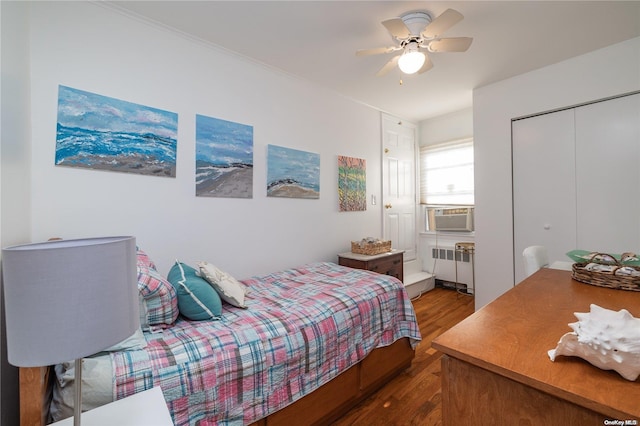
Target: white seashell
[[608, 339], [598, 267], [627, 271], [628, 256]]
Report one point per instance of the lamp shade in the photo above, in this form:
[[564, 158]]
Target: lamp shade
[[68, 299]]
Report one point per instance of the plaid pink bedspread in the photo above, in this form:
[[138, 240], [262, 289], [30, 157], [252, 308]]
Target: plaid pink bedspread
[[302, 328]]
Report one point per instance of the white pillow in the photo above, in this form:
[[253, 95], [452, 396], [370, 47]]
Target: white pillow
[[97, 386], [230, 289]]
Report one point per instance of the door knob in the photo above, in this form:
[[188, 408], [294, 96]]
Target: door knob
[[387, 206]]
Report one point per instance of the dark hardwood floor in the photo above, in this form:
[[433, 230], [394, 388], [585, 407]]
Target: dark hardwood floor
[[413, 398]]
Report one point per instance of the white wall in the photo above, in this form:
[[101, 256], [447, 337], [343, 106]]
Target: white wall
[[596, 75], [448, 127], [14, 168], [93, 48]]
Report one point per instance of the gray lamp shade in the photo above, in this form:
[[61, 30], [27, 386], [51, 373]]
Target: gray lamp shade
[[68, 299]]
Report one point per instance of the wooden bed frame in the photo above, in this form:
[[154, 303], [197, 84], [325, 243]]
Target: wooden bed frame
[[322, 406]]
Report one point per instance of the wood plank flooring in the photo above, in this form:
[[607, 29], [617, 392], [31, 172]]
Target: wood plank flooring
[[414, 397]]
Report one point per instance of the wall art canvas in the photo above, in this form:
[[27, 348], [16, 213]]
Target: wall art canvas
[[224, 158], [292, 173], [352, 184], [98, 132]]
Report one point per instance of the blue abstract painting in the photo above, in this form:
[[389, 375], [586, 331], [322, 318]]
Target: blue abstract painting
[[292, 173], [98, 132], [224, 158]]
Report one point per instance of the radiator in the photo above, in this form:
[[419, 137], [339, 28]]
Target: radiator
[[441, 261]]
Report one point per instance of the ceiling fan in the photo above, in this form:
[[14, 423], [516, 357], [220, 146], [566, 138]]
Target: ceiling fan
[[416, 31]]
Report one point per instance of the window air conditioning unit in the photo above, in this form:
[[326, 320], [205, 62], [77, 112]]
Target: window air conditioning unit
[[454, 219]]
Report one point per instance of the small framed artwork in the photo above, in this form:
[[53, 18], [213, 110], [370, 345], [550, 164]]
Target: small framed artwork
[[352, 184], [292, 173]]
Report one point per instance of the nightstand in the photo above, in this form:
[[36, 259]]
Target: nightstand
[[389, 263], [147, 408]]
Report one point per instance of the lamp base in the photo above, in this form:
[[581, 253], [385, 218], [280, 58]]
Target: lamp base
[[77, 399]]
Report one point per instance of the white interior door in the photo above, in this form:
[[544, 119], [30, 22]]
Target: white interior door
[[575, 180], [608, 175], [544, 189], [399, 185]]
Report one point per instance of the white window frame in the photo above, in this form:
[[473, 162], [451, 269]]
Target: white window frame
[[462, 197]]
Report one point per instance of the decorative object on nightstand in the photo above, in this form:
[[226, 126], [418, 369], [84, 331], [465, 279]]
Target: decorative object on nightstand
[[68, 299], [388, 263], [370, 246]]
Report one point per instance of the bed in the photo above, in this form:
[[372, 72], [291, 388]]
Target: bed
[[310, 342]]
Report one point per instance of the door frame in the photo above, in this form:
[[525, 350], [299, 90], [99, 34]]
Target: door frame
[[385, 119]]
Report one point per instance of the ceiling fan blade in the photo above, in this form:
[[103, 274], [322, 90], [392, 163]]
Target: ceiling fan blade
[[427, 65], [397, 28], [393, 62], [376, 51], [452, 44], [442, 23]]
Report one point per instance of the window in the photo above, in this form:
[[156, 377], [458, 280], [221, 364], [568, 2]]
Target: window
[[446, 173]]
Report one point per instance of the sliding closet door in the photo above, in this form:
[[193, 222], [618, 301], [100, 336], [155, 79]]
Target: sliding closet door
[[576, 180], [608, 175], [544, 194]]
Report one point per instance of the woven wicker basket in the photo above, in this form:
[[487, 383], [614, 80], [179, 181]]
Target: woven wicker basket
[[606, 279], [371, 248]]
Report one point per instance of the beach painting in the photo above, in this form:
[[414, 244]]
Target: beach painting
[[352, 184], [224, 158], [292, 173], [103, 133]]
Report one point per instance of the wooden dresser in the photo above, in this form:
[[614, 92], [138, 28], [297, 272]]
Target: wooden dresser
[[390, 263], [496, 371]]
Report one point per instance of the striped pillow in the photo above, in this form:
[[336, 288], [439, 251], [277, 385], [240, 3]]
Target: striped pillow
[[158, 298]]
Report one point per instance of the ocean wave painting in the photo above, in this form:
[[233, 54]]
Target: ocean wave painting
[[224, 158], [98, 132], [292, 173]]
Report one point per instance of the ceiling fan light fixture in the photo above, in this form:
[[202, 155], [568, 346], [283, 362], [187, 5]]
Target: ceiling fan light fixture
[[411, 61]]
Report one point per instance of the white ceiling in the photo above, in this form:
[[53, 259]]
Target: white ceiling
[[317, 40]]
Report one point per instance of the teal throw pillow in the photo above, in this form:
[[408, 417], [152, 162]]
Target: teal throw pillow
[[196, 299]]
